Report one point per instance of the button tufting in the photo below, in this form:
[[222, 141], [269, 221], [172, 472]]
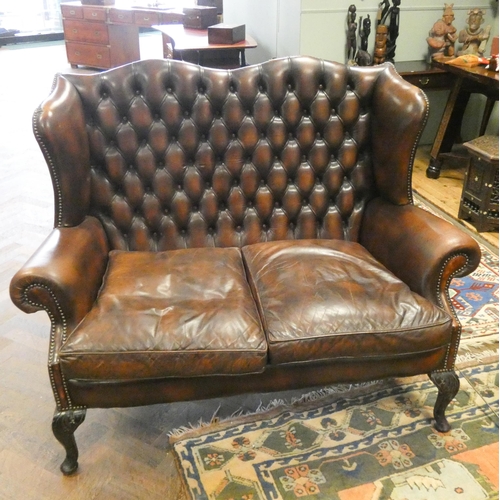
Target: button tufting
[[124, 119]]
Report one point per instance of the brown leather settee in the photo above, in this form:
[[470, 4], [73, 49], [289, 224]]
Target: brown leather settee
[[219, 232]]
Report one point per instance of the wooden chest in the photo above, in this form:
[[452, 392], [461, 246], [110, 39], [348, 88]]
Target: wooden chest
[[226, 33], [479, 202], [213, 3], [199, 17]]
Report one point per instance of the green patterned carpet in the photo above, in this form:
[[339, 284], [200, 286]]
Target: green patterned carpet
[[377, 445]]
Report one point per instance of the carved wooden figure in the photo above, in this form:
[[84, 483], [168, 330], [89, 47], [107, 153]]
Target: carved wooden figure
[[352, 27], [363, 58], [380, 44], [474, 38]]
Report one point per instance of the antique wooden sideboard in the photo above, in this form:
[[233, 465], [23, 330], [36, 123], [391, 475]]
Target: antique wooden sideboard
[[107, 36]]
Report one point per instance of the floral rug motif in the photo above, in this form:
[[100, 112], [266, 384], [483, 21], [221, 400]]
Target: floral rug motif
[[475, 298], [378, 445]]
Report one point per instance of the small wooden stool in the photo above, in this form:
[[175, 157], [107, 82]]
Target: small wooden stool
[[479, 203]]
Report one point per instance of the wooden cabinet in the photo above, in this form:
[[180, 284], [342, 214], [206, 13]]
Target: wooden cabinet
[[92, 39], [107, 36]]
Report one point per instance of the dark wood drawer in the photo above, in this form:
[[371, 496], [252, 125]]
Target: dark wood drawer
[[94, 14], [146, 18], [72, 11], [87, 54], [172, 18], [430, 80], [121, 16], [84, 31]]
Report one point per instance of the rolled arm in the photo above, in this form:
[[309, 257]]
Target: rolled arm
[[423, 250], [64, 275]]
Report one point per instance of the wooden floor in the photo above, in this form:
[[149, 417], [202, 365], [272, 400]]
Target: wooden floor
[[123, 452], [445, 192]]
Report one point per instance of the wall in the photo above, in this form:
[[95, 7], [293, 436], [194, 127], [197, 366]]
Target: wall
[[318, 28]]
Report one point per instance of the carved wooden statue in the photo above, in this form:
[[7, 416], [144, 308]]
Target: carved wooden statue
[[391, 19], [380, 44], [474, 38], [352, 27], [383, 8], [363, 58], [443, 35]]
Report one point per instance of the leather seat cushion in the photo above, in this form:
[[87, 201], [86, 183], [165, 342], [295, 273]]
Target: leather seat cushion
[[330, 299], [182, 313]]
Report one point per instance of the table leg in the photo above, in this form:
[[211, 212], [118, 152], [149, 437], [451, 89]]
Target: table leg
[[243, 61], [486, 115], [449, 126]]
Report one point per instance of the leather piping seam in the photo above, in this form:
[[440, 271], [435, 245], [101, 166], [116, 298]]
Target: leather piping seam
[[149, 353], [415, 145], [52, 346], [448, 300], [368, 332], [51, 164], [382, 357], [409, 190]]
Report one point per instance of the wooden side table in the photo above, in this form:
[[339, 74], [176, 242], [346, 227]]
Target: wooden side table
[[479, 202], [424, 75]]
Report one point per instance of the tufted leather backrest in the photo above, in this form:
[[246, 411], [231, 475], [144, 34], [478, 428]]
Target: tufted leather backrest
[[185, 156]]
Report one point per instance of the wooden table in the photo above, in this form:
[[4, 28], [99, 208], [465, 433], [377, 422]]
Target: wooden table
[[192, 45], [466, 81], [424, 75]]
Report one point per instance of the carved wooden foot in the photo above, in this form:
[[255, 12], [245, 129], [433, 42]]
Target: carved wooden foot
[[448, 385], [64, 424]]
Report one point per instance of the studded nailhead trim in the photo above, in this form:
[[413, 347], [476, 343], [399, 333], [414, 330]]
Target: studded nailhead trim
[[448, 299], [52, 345]]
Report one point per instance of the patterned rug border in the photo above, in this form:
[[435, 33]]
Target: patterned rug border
[[281, 416]]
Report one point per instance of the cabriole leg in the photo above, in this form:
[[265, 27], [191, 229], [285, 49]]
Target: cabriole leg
[[448, 385], [64, 424]]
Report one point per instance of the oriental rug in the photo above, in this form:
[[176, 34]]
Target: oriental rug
[[379, 444], [370, 441]]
